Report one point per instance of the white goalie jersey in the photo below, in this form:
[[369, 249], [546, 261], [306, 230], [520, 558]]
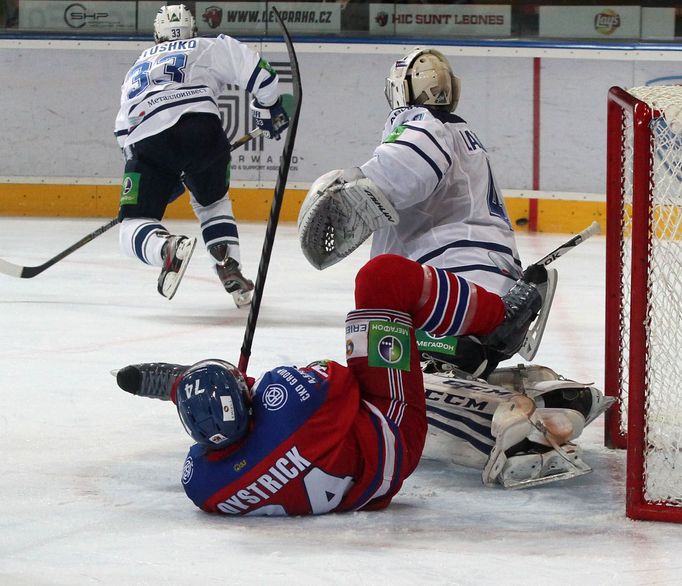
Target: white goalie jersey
[[436, 173], [177, 77]]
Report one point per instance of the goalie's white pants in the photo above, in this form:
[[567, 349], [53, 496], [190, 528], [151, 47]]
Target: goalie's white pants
[[143, 238]]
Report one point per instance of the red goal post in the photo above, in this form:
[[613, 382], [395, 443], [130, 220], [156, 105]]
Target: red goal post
[[643, 353]]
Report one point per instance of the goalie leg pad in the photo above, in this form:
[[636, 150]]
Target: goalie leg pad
[[501, 432], [337, 216], [460, 415]]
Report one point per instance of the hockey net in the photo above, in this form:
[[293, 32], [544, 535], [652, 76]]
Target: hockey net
[[644, 295]]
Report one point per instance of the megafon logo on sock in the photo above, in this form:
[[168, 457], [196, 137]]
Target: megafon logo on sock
[[607, 21]]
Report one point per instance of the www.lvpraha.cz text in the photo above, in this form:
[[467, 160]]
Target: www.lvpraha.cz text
[[289, 16]]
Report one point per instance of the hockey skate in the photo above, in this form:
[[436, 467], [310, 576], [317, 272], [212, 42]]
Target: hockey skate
[[549, 389], [522, 303], [542, 465], [150, 379], [230, 276], [533, 446], [176, 252]]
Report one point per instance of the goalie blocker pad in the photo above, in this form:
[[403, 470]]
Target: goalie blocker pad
[[337, 216]]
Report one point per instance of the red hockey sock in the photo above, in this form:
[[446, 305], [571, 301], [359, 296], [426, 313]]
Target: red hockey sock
[[456, 307]]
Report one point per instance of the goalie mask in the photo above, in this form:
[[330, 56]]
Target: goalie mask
[[174, 23], [211, 401], [422, 78]]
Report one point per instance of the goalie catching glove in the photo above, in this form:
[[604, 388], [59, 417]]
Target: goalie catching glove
[[341, 210]]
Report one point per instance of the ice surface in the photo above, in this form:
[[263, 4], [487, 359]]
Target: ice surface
[[90, 491]]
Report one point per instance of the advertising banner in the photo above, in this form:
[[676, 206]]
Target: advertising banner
[[61, 110], [426, 20], [590, 22], [87, 16], [257, 18], [658, 23], [146, 13]]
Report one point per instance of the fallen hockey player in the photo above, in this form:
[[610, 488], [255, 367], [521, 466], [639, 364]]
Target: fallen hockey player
[[331, 438]]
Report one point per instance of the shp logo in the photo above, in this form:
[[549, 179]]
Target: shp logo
[[607, 21]]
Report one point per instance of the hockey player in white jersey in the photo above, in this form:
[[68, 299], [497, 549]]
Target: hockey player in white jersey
[[170, 130], [428, 193]]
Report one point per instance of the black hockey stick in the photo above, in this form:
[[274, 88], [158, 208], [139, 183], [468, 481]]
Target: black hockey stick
[[22, 272], [276, 201]]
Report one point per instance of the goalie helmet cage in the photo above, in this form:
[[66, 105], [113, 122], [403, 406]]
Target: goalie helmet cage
[[643, 353]]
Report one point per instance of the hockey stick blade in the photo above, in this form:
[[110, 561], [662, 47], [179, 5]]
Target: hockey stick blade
[[29, 272], [280, 186], [22, 272]]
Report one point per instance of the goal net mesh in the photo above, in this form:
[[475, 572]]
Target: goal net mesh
[[663, 323]]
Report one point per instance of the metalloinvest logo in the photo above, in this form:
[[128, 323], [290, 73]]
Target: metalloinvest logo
[[213, 16], [607, 21]]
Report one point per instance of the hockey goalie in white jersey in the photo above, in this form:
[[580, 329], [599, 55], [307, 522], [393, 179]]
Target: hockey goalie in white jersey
[[429, 194]]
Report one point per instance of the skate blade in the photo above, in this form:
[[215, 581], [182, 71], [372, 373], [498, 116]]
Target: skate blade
[[172, 280]]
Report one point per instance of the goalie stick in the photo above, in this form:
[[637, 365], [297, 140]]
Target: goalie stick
[[579, 238], [532, 341], [282, 174], [23, 272]]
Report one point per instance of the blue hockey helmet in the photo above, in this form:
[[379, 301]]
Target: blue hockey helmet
[[211, 401]]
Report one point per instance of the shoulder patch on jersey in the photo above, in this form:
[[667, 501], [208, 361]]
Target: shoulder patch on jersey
[[397, 131], [263, 64]]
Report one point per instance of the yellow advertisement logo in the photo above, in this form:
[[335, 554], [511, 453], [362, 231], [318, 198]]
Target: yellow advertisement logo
[[606, 21]]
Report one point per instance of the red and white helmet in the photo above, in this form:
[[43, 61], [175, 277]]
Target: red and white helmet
[[424, 78], [174, 23]]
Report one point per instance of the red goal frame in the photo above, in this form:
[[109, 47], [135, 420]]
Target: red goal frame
[[634, 374]]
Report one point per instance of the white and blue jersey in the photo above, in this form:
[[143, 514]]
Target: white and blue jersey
[[177, 77], [436, 173]]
